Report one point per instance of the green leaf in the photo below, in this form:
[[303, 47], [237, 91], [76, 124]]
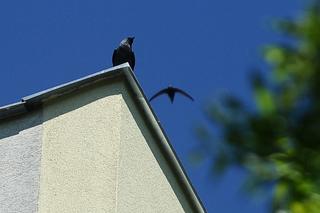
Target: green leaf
[[274, 55]]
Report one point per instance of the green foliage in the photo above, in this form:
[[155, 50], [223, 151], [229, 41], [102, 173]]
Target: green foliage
[[279, 142]]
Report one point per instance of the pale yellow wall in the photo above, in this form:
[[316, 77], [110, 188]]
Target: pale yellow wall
[[98, 157], [80, 153], [143, 186]]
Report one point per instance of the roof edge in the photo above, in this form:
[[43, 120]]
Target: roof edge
[[31, 102], [12, 110], [57, 91]]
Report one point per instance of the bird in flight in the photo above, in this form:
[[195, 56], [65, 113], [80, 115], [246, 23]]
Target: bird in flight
[[171, 92], [124, 53]]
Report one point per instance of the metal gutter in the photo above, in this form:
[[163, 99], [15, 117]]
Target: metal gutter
[[33, 101], [43, 96], [12, 110]]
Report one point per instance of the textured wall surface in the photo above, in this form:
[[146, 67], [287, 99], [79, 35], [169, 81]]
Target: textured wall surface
[[97, 155], [143, 186], [80, 153], [20, 150]]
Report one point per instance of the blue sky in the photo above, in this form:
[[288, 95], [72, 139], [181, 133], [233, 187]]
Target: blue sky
[[203, 46]]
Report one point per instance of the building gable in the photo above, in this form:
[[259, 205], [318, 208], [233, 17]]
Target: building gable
[[103, 150]]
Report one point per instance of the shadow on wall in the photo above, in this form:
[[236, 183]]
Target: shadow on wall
[[13, 126]]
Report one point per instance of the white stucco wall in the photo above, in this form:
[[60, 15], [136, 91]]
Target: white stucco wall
[[97, 155], [20, 152]]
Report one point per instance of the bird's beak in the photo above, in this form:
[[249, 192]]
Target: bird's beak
[[132, 38]]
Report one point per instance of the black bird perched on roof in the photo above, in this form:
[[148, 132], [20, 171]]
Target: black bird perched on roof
[[171, 92], [124, 53]]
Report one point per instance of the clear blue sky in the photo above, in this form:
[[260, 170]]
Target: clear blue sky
[[202, 46]]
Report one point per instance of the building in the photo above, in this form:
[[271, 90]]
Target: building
[[91, 145]]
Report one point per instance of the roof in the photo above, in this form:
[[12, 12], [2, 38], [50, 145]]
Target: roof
[[125, 73]]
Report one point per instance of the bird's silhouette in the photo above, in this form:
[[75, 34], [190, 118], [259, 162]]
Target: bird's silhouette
[[124, 53], [171, 92]]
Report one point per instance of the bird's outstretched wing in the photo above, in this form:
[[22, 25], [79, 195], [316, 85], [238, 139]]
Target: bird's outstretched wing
[[183, 93], [161, 92]]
